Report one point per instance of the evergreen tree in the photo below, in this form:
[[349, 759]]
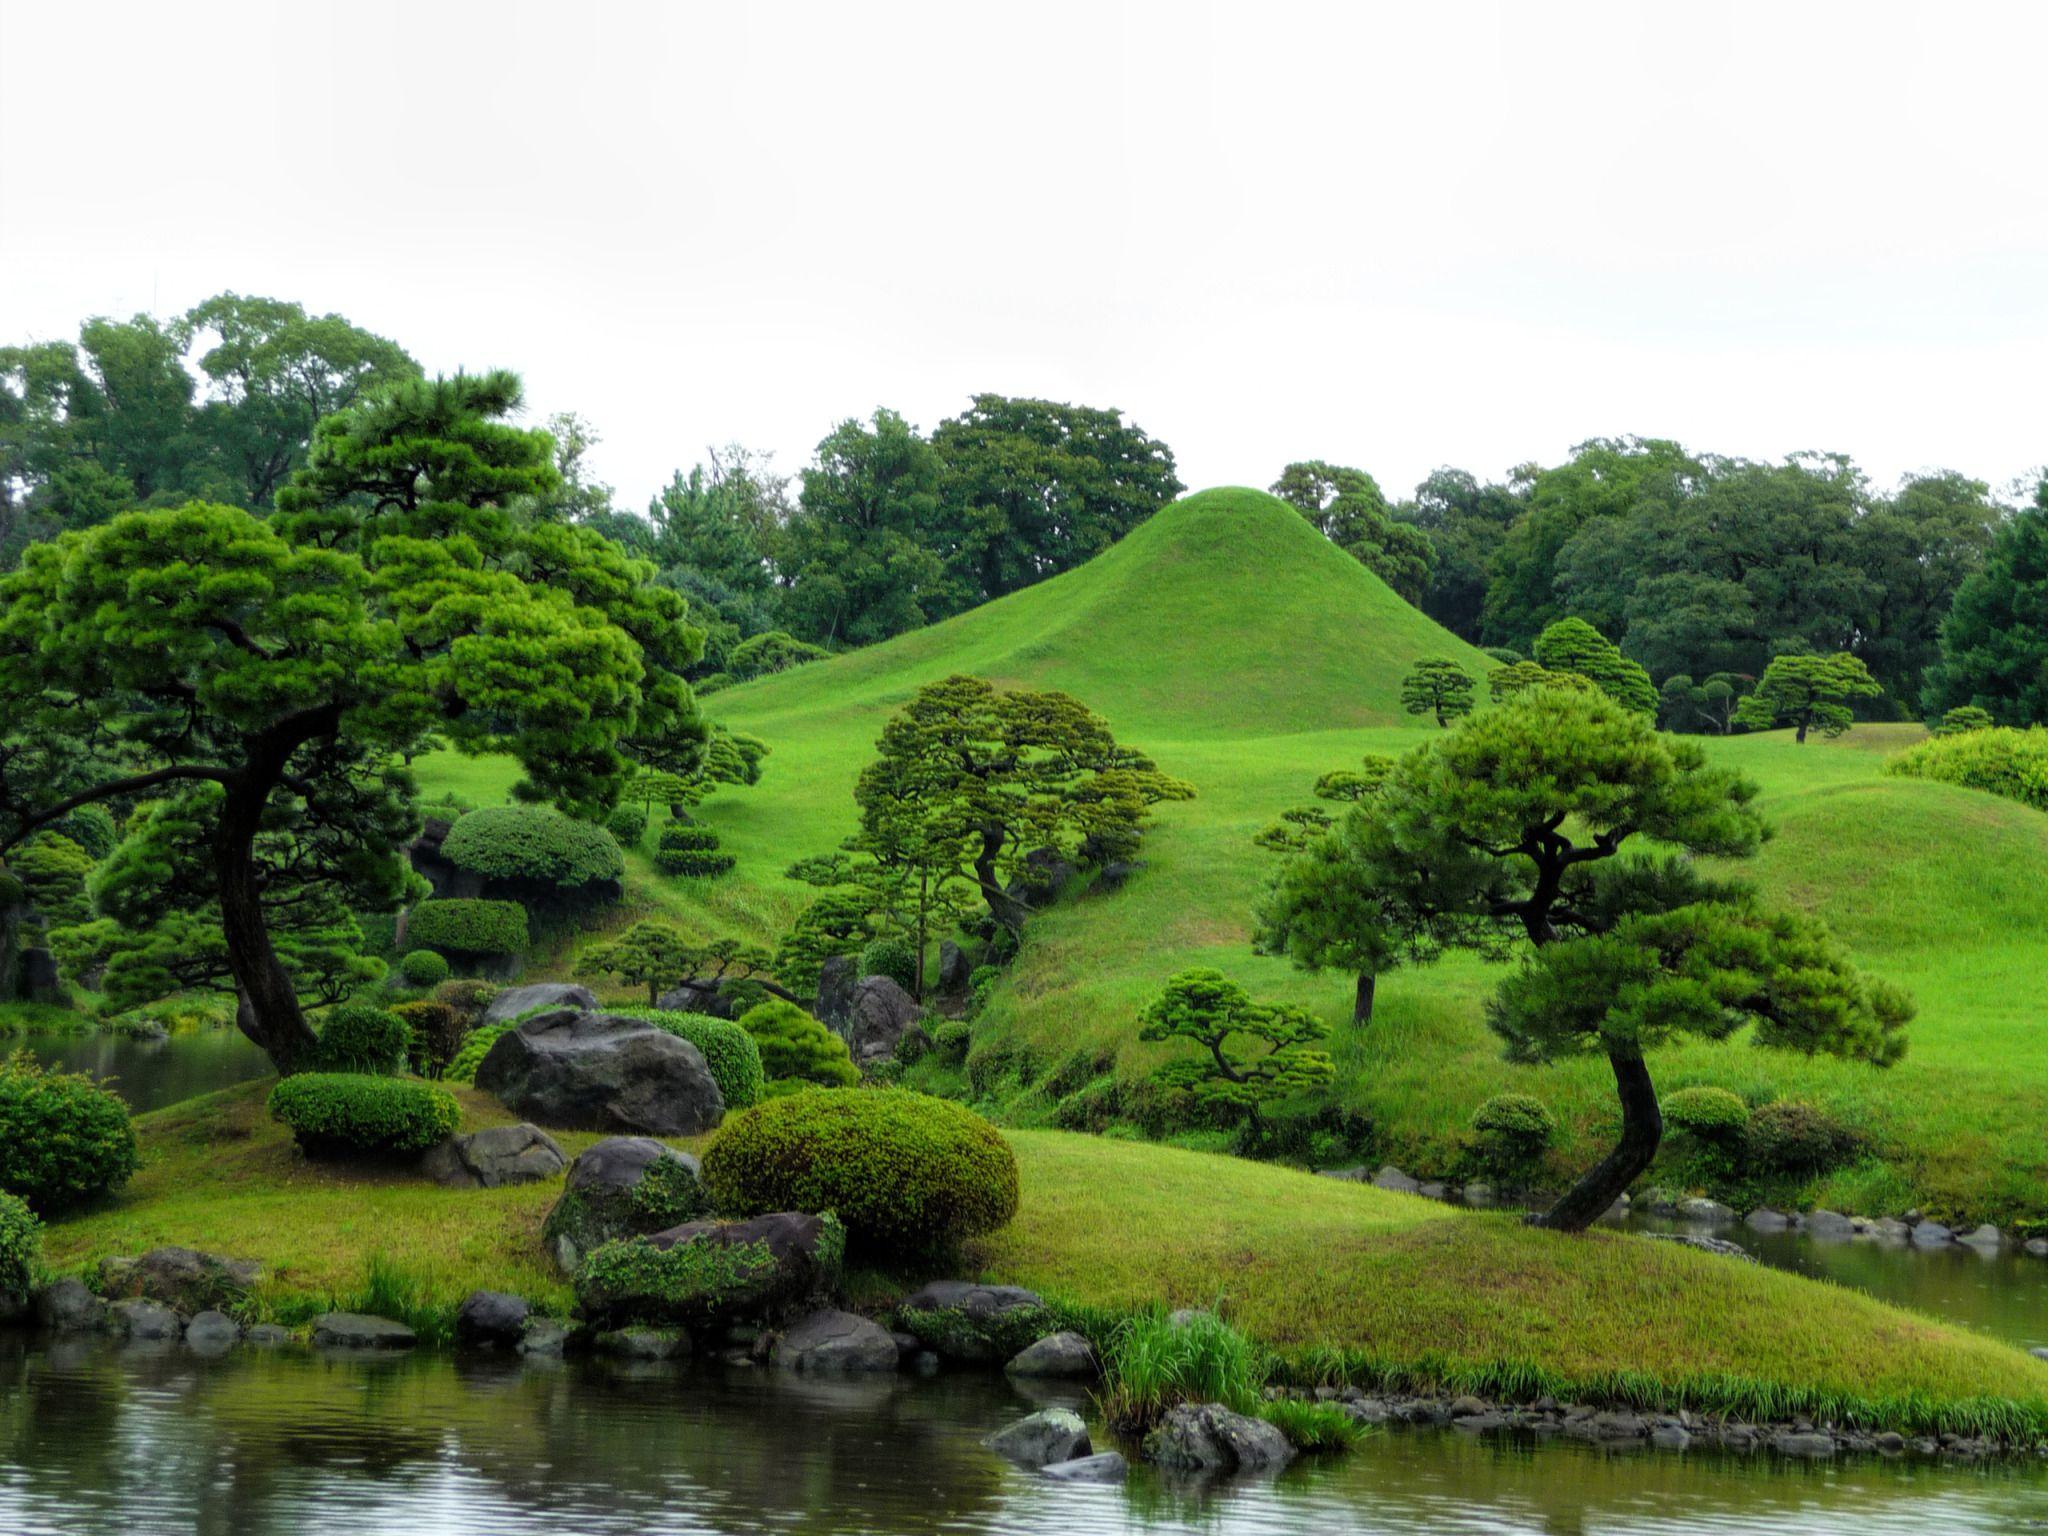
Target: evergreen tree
[[1437, 686], [1994, 643], [1808, 693]]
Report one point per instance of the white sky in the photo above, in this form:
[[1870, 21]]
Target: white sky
[[1395, 236]]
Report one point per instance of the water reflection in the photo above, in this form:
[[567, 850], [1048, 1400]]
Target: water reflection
[[148, 1074], [96, 1439]]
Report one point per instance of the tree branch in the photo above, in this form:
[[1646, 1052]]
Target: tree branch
[[109, 790]]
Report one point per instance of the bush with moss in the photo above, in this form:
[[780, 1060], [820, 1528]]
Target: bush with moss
[[950, 1040], [469, 1055], [797, 1048], [359, 1038], [536, 851], [2000, 760], [1510, 1134], [21, 1252], [909, 1175], [688, 849], [892, 956], [1797, 1139], [468, 927], [729, 1050], [627, 824], [467, 996], [352, 1114], [64, 1140], [424, 968], [434, 1033], [705, 1281]]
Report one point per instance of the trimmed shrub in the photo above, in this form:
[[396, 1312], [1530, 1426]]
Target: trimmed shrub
[[686, 835], [908, 1175], [21, 1251], [434, 1034], [54, 869], [534, 845], [353, 1114], [1964, 717], [359, 1038], [64, 1140], [687, 849], [795, 1046], [1510, 1134], [892, 956], [469, 1055], [1707, 1114], [1794, 1137], [468, 927], [92, 828], [627, 824], [729, 1051], [2000, 760], [950, 1041], [772, 651], [467, 996], [424, 968]]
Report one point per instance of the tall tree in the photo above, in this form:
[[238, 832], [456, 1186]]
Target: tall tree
[[1035, 487], [1917, 548], [1348, 509], [1574, 646], [288, 661], [1466, 521], [1994, 642]]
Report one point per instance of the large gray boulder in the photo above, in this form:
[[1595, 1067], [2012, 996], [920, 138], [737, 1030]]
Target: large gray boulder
[[607, 1196], [513, 1001], [1043, 1439], [697, 997], [584, 1071], [181, 1278], [836, 1341], [1058, 1355], [488, 1318], [706, 1274], [964, 1321], [67, 1306], [1208, 1437], [878, 1015], [143, 1320], [212, 1333], [836, 978], [493, 1157]]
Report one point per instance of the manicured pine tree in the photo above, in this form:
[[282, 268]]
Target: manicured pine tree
[[1437, 686], [1808, 693]]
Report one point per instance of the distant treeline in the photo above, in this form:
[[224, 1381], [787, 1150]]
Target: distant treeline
[[1699, 566]]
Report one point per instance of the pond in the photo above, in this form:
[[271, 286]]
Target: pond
[[140, 1440], [148, 1074]]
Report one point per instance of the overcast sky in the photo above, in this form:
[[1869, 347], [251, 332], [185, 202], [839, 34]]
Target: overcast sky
[[1395, 236]]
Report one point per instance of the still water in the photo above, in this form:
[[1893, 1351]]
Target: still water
[[96, 1438], [148, 1074]]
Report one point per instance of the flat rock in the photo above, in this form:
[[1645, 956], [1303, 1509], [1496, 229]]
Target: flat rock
[[140, 1319], [1931, 1234], [488, 1318], [358, 1330], [1828, 1226], [1986, 1237], [493, 1157], [1705, 1244], [836, 1341], [67, 1306], [1042, 1439], [211, 1332], [183, 1278], [1103, 1467], [1390, 1177], [1809, 1446], [1208, 1437], [1670, 1437], [602, 1072], [1063, 1354], [267, 1335], [513, 1001], [980, 1303]]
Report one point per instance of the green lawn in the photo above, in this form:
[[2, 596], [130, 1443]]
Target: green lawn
[[1248, 655]]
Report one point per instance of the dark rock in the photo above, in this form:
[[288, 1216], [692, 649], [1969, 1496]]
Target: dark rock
[[643, 1343], [546, 1337], [427, 859], [357, 1330], [836, 978], [136, 1318], [488, 1318], [1890, 1443], [267, 1335], [1466, 1407], [182, 1278], [964, 1321], [1063, 1354], [1764, 1219], [1480, 1423], [1114, 876], [954, 971], [762, 1267], [1827, 1226], [602, 1200], [41, 981], [513, 1001], [1207, 1437], [878, 1015], [1040, 878], [1670, 1437], [836, 1341], [1042, 1439], [212, 1332], [1811, 1446], [1104, 1467], [602, 1072], [1431, 1189], [493, 1157], [697, 997], [1930, 1234], [66, 1306], [1390, 1177]]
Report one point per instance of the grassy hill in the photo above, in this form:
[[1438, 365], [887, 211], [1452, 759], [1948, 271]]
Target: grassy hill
[[1235, 644]]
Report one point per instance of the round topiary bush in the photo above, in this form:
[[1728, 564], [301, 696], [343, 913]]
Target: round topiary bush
[[92, 828], [1510, 1134], [906, 1173], [424, 968], [950, 1041], [21, 1252], [64, 1140], [467, 927], [796, 1047], [892, 956], [534, 846], [359, 1038], [627, 824], [729, 1051], [476, 1045], [1707, 1114], [1794, 1137], [352, 1114]]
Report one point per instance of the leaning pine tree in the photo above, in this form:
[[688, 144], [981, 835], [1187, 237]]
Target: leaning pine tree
[[269, 675], [1508, 834]]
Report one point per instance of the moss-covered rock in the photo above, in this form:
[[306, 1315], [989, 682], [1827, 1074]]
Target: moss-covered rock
[[621, 1187], [705, 1274]]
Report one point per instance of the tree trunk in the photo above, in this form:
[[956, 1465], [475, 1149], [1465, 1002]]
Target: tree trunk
[[1799, 736], [1002, 906], [1361, 1001], [1642, 1127], [268, 1008]]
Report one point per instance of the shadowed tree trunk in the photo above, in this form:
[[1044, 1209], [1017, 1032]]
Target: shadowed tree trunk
[[1361, 1000], [1642, 1127]]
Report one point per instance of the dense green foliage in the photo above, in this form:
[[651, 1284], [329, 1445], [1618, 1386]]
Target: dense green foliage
[[423, 968], [54, 870], [64, 1140], [2002, 761], [627, 824], [891, 956], [795, 1047], [907, 1174], [1711, 1114], [1251, 1053], [21, 1251], [359, 1038], [691, 851], [434, 1033], [476, 1045], [1347, 508], [1808, 693], [1510, 1134], [1994, 642], [658, 957], [1438, 687], [1576, 647], [349, 1114], [729, 1050], [1794, 1137], [534, 848], [467, 927]]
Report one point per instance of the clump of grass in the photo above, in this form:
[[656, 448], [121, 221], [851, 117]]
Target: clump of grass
[[401, 1293], [1314, 1429], [1153, 1363]]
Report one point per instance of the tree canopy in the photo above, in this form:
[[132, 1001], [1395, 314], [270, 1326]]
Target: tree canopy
[[1808, 693], [1994, 643], [1347, 508]]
